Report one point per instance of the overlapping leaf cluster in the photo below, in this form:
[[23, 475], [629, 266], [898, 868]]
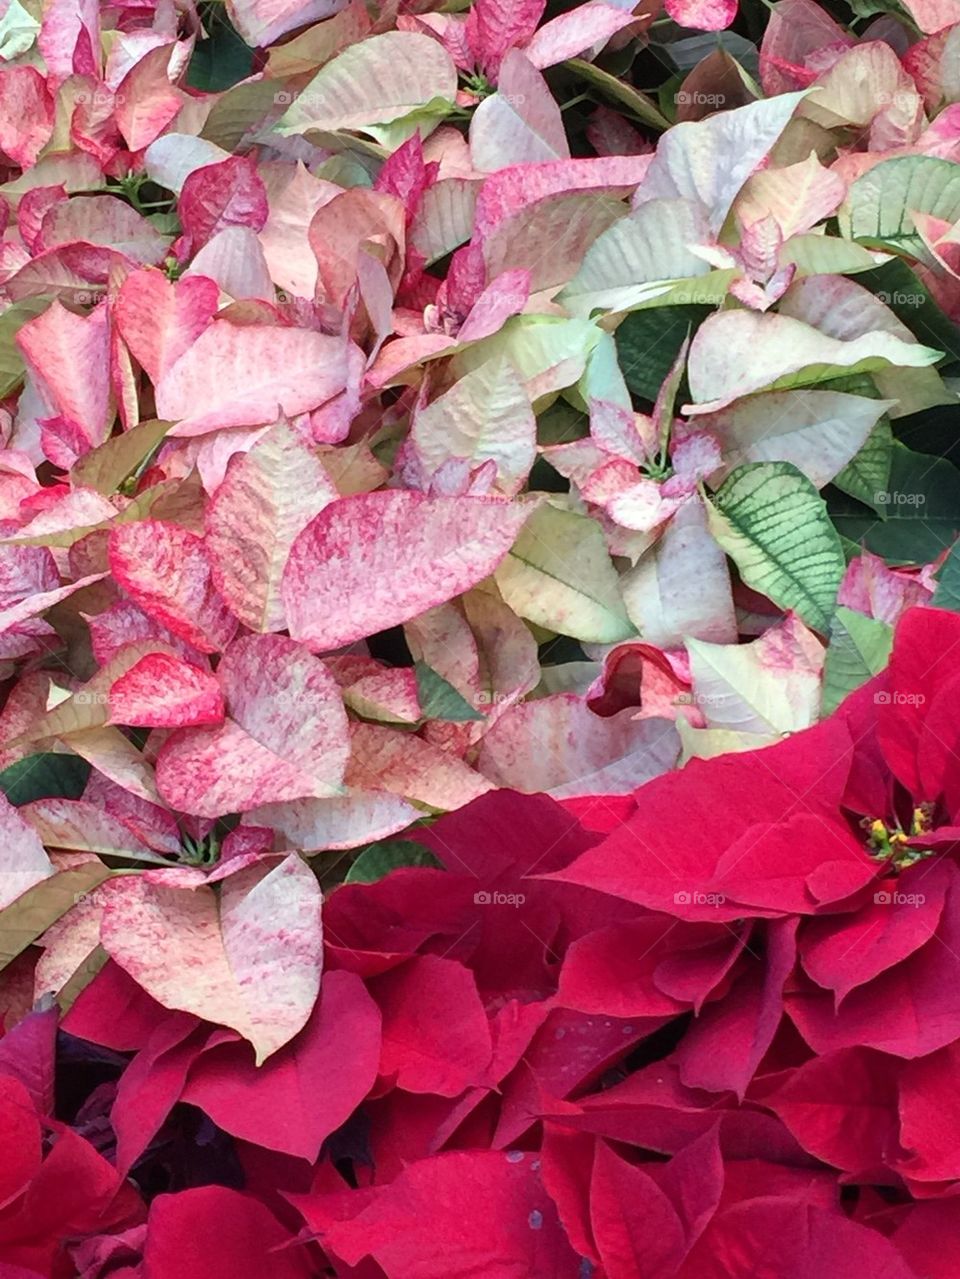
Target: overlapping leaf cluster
[[408, 414], [664, 1034]]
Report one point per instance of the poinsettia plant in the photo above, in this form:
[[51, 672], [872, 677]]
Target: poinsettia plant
[[463, 473]]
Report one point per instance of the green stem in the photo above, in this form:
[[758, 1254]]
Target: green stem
[[582, 97]]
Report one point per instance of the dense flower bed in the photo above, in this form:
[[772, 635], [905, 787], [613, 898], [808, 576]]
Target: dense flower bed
[[711, 1028], [479, 613]]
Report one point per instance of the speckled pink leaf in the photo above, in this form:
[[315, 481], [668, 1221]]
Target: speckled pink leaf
[[285, 738], [26, 114], [571, 33], [33, 207], [83, 827], [68, 358], [249, 959], [340, 229], [503, 297], [342, 821], [80, 508], [67, 944], [267, 498], [25, 571], [558, 745], [569, 222], [485, 416], [520, 123], [681, 586], [69, 34], [932, 15], [240, 375], [126, 623], [380, 693], [72, 272], [292, 263], [510, 189], [494, 26], [88, 707], [161, 691], [870, 587], [386, 759], [34, 605], [378, 559], [262, 22], [702, 15], [105, 220], [156, 826], [159, 319], [146, 102], [234, 259], [23, 861], [220, 195], [164, 568]]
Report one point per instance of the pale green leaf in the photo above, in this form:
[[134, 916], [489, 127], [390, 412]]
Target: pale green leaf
[[774, 525], [374, 82], [559, 575], [859, 649]]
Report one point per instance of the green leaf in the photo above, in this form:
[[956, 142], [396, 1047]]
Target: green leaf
[[235, 114], [642, 106], [559, 575], [107, 466], [27, 918], [868, 473], [932, 430], [774, 525], [922, 501], [899, 288], [380, 859], [870, 8], [859, 649], [879, 207], [649, 341], [440, 700], [222, 59], [11, 362], [947, 594], [45, 776]]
